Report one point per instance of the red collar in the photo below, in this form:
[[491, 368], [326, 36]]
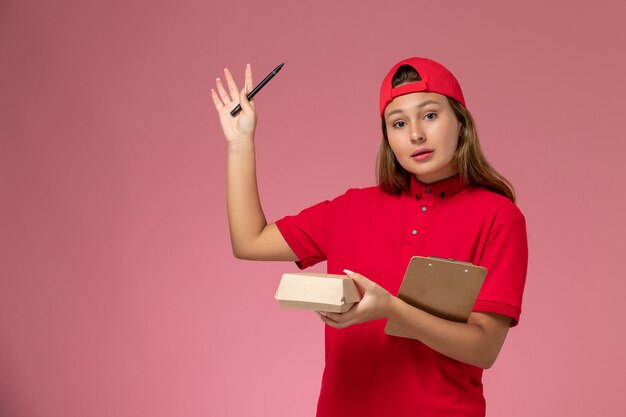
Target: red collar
[[440, 189]]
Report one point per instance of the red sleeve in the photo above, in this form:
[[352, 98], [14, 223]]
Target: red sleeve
[[308, 233], [505, 256]]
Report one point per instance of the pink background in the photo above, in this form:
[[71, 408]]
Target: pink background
[[119, 295]]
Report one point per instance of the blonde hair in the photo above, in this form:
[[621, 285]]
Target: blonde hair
[[470, 161]]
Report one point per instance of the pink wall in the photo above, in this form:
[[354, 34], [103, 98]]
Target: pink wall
[[119, 295]]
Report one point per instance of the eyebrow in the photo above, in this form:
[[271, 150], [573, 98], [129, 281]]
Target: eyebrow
[[425, 103]]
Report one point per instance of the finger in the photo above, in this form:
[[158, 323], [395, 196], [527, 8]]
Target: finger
[[246, 106], [360, 281], [248, 77], [216, 100], [355, 276], [248, 84], [322, 315], [332, 323], [222, 92], [334, 317], [348, 317], [232, 86], [358, 278]]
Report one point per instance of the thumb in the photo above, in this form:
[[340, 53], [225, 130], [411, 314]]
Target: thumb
[[358, 279]]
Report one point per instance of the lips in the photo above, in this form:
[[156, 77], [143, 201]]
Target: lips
[[421, 152]]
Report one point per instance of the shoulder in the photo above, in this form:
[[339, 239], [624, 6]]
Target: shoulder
[[367, 194], [362, 200], [489, 201], [359, 197]]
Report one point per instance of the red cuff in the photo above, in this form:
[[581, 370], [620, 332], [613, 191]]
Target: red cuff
[[305, 260], [483, 306]]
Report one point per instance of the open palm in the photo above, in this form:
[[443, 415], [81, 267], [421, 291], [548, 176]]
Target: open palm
[[242, 126]]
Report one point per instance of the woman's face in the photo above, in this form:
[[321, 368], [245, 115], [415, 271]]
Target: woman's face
[[423, 133]]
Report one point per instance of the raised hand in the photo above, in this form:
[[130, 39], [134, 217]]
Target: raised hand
[[242, 126]]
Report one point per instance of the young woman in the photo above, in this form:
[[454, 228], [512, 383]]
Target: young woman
[[436, 196]]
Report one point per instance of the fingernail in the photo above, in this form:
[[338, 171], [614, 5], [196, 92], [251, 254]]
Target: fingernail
[[321, 313], [348, 272], [218, 79]]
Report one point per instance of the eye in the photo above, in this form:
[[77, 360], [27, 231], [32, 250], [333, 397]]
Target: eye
[[399, 124], [431, 116]]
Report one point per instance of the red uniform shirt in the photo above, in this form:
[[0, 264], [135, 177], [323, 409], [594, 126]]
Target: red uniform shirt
[[375, 234]]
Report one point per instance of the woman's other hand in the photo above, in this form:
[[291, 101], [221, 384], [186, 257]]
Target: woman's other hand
[[374, 305]]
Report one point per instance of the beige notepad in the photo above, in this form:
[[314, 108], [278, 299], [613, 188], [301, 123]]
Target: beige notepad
[[443, 287]]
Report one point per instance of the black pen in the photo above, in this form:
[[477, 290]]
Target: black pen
[[257, 88]]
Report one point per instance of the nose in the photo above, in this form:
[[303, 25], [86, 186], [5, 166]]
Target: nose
[[417, 135]]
